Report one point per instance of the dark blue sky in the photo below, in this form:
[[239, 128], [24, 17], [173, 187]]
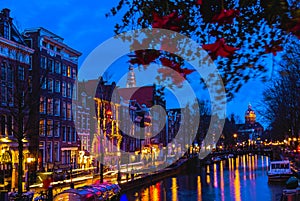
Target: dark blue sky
[[84, 26]]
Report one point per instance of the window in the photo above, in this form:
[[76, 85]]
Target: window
[[63, 128], [57, 86], [42, 127], [74, 135], [57, 107], [50, 65], [43, 62], [21, 73], [10, 74], [64, 109], [64, 89], [44, 44], [2, 125], [64, 70], [69, 134], [3, 71], [6, 31], [69, 90], [69, 111], [49, 152], [51, 47], [10, 94], [50, 106], [56, 129], [56, 151], [49, 127], [43, 82], [57, 67], [42, 105], [50, 85], [9, 125], [3, 94], [30, 84], [69, 71], [74, 73]]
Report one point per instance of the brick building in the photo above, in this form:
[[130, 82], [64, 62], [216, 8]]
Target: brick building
[[54, 71]]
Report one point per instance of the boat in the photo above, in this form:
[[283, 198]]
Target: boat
[[216, 159], [279, 171], [95, 192]]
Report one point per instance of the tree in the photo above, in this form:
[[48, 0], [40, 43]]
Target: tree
[[240, 37], [281, 100]]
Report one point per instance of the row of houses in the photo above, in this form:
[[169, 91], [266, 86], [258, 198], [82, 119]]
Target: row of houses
[[62, 123]]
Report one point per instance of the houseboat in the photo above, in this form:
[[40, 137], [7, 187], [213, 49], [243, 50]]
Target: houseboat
[[279, 171]]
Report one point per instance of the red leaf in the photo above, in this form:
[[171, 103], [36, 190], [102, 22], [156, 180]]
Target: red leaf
[[199, 2], [167, 22], [225, 16], [219, 48]]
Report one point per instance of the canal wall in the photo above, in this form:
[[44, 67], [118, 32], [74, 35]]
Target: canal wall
[[180, 166]]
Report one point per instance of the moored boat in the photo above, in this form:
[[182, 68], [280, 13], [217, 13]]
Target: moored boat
[[279, 171]]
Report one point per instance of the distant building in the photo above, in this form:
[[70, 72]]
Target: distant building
[[54, 71], [16, 83], [251, 129]]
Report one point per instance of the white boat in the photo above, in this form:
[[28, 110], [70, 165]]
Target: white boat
[[279, 171]]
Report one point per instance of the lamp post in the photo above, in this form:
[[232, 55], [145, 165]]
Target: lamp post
[[235, 138], [29, 161]]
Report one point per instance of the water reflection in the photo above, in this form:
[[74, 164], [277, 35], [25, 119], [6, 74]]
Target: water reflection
[[237, 179]]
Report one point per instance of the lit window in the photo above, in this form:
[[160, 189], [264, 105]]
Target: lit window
[[50, 106], [42, 127], [69, 71], [49, 127]]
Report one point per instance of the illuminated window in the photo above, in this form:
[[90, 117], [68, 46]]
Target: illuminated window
[[69, 71], [49, 127], [50, 106], [43, 105], [42, 127]]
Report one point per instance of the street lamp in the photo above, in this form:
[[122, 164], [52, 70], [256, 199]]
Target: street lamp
[[29, 161]]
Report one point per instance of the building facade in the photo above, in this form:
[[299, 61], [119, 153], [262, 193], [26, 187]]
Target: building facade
[[54, 71], [251, 131], [16, 86]]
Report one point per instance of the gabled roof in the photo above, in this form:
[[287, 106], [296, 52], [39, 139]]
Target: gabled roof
[[143, 95]]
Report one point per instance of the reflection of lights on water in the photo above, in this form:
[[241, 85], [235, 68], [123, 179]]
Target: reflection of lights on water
[[199, 189], [207, 179], [215, 176], [222, 181], [174, 189], [237, 186], [208, 169], [146, 196], [244, 167]]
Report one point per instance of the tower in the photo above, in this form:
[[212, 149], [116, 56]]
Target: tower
[[131, 82], [250, 116]]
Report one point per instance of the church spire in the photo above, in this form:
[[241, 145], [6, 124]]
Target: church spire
[[131, 82]]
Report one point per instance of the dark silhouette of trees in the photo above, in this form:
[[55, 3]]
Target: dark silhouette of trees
[[281, 100], [239, 37]]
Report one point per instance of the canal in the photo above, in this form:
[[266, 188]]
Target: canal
[[236, 179]]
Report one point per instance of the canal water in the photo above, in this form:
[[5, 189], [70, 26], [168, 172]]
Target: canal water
[[236, 179]]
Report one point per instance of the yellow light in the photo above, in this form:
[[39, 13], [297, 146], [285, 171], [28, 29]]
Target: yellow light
[[235, 135], [294, 139]]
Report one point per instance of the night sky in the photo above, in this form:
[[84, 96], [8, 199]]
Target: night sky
[[84, 26]]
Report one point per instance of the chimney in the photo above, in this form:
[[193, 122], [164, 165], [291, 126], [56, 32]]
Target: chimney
[[6, 12]]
